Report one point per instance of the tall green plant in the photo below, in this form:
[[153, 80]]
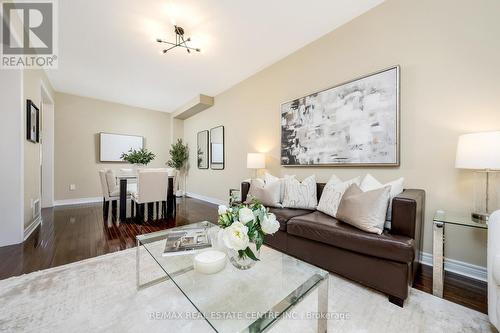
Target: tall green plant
[[179, 154], [141, 156]]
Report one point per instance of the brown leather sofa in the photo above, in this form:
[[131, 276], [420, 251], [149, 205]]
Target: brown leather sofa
[[386, 262]]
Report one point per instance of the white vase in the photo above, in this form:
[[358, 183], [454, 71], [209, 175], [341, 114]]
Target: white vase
[[136, 167]]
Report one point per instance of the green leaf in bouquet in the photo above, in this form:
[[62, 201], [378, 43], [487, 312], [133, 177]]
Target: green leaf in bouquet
[[258, 240], [250, 254]]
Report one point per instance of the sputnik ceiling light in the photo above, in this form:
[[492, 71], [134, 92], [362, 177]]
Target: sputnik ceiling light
[[180, 41]]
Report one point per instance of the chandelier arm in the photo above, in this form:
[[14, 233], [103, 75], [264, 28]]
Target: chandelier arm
[[172, 47], [184, 42], [169, 43]]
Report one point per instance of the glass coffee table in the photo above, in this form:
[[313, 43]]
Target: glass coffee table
[[235, 300]]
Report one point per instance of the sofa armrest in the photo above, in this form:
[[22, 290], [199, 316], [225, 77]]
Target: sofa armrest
[[245, 187], [408, 210]]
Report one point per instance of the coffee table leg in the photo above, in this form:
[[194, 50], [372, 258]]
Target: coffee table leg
[[157, 280], [438, 260], [137, 265], [323, 306]]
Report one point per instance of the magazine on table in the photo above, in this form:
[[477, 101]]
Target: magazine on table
[[186, 241]]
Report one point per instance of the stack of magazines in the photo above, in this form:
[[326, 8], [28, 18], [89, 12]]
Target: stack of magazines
[[186, 240]]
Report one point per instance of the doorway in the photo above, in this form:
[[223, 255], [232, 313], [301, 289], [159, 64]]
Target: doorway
[[47, 149]]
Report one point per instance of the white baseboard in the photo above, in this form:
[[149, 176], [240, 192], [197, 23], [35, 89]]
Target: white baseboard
[[77, 201], [29, 230], [207, 199], [458, 267]]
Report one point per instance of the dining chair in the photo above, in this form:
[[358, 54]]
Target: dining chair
[[152, 187], [111, 191]]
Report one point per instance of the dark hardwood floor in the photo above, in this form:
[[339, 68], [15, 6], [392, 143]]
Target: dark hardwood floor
[[72, 233], [457, 289]]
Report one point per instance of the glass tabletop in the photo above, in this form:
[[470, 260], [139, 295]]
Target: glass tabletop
[[234, 300], [462, 219]]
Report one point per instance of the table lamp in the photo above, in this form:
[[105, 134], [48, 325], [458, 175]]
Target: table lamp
[[256, 161], [479, 151]]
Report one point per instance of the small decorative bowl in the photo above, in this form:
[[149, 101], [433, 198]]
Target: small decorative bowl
[[209, 262]]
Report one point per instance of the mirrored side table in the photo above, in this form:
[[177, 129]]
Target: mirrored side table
[[441, 219]]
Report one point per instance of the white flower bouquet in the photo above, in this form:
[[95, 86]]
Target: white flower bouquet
[[245, 224]]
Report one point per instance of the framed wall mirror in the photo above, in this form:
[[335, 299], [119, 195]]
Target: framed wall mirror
[[202, 150], [217, 148]]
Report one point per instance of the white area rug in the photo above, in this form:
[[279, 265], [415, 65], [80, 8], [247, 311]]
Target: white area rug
[[99, 295]]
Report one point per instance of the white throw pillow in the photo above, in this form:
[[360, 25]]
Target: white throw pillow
[[370, 183], [267, 194], [268, 179], [300, 195], [332, 194]]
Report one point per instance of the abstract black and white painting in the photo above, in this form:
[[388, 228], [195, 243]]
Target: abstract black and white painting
[[354, 124]]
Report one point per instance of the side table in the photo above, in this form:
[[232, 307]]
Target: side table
[[441, 219]]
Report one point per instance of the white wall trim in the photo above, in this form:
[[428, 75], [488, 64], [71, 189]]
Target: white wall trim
[[77, 201], [47, 109], [458, 267], [29, 230], [207, 199]]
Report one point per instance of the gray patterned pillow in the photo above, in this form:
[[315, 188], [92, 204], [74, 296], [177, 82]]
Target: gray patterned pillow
[[300, 195], [332, 194]]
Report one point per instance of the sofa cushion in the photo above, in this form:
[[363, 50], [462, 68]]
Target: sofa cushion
[[285, 214], [325, 229]]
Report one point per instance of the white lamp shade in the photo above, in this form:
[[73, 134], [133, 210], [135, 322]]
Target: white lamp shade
[[479, 151], [256, 161]]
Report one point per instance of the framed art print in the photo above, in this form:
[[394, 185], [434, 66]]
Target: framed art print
[[352, 124], [32, 122]]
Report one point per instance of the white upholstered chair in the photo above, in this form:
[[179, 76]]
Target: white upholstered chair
[[111, 190], [152, 187], [494, 269]]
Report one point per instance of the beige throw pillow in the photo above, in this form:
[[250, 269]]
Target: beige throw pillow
[[300, 195], [267, 194], [364, 210], [332, 194], [370, 183]]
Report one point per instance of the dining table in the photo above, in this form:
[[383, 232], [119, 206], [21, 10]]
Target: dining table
[[124, 178]]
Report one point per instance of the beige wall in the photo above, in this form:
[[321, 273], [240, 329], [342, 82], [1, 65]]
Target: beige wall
[[78, 120], [32, 89], [450, 68]]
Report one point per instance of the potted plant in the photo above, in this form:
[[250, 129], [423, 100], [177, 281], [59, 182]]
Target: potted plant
[[140, 157], [179, 154]]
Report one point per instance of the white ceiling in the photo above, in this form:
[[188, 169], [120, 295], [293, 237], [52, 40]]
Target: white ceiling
[[107, 49]]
